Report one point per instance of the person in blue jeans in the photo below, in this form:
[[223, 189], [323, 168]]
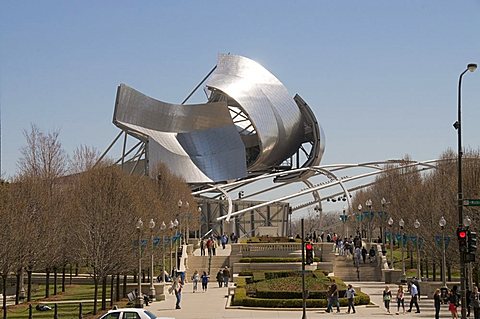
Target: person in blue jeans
[[177, 288]]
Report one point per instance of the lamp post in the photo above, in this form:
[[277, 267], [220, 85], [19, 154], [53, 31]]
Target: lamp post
[[175, 226], [344, 219], [138, 297], [360, 218], [458, 126], [152, 292], [185, 223], [162, 228], [368, 203], [171, 226], [416, 224], [401, 223], [383, 201], [390, 223], [442, 224]]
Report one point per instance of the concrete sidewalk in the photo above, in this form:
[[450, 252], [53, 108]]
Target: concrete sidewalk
[[211, 305]]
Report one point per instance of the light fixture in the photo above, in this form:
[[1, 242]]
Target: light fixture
[[151, 224], [163, 226], [139, 224], [401, 223], [390, 221], [416, 224], [442, 222], [472, 67]]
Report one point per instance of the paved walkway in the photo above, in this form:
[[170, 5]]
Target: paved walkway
[[211, 305]]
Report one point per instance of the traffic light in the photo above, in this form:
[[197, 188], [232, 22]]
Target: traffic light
[[308, 253], [462, 239], [471, 246]]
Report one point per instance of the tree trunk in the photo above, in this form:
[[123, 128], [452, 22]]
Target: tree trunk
[[426, 267], [47, 283], [449, 272], [125, 285], [70, 274], [17, 288], [104, 293], [434, 266], [95, 294], [63, 278], [29, 285], [4, 292], [55, 283], [117, 291], [112, 282]]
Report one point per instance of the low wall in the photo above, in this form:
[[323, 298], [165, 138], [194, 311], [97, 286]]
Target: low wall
[[160, 289], [239, 267]]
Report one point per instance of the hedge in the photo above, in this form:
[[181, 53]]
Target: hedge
[[274, 260], [288, 299]]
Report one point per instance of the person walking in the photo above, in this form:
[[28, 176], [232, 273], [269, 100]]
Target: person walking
[[195, 280], [387, 296], [220, 278], [437, 302], [204, 279], [453, 301], [202, 247], [226, 276], [350, 295], [414, 299], [364, 254], [475, 302], [400, 299], [333, 298], [177, 288]]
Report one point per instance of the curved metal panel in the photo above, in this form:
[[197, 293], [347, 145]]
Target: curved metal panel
[[198, 142], [266, 101]]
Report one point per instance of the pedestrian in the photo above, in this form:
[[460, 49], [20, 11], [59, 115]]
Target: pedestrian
[[333, 298], [453, 301], [214, 247], [475, 302], [202, 247], [209, 246], [400, 299], [364, 254], [387, 296], [414, 298], [371, 254], [195, 280], [437, 301], [226, 276], [350, 295], [177, 288], [204, 281], [220, 278]]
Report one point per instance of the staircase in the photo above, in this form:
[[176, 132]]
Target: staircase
[[201, 263], [344, 268]]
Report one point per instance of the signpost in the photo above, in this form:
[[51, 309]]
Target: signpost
[[471, 202]]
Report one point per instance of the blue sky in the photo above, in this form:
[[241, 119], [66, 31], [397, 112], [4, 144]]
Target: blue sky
[[381, 76]]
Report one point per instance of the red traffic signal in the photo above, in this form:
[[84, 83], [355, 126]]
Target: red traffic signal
[[462, 234], [308, 246], [462, 237]]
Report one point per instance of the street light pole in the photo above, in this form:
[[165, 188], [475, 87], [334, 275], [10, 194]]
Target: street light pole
[[416, 224], [162, 228], [175, 226], [383, 201], [390, 223], [368, 203], [442, 224], [152, 293], [458, 126], [360, 219], [138, 297], [401, 223], [171, 226]]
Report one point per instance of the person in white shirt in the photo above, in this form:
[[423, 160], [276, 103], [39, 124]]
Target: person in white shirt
[[414, 300]]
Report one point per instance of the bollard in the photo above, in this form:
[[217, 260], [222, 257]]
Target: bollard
[[80, 311], [55, 313], [30, 316]]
